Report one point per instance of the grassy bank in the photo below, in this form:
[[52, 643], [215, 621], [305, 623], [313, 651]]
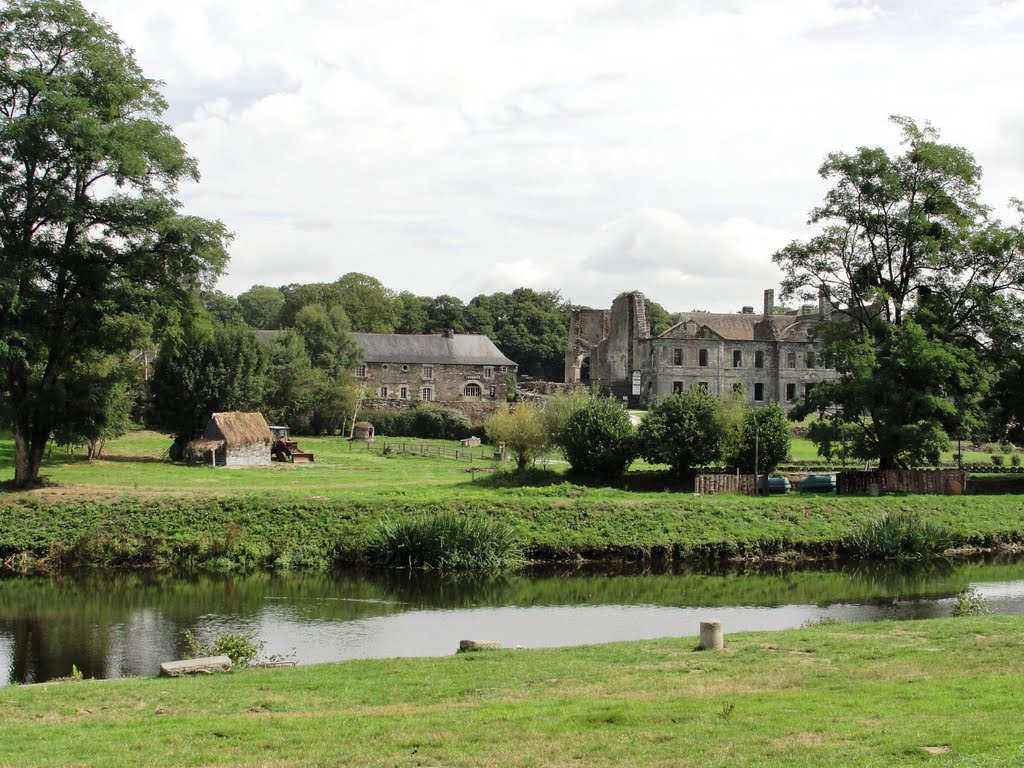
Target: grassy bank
[[844, 695], [562, 521], [134, 510]]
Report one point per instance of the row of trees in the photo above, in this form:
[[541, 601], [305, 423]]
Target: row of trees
[[529, 326], [686, 430]]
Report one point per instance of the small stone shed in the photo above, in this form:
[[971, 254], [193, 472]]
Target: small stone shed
[[363, 430], [235, 439]]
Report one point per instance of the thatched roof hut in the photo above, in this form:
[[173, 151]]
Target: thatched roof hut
[[235, 439]]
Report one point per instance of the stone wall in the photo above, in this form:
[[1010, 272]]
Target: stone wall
[[257, 455]]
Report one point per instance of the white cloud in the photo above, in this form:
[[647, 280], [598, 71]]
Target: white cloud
[[580, 145]]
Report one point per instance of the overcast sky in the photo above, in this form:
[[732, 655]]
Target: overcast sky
[[587, 146]]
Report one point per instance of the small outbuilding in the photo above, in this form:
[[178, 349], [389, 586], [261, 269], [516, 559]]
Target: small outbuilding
[[362, 430], [234, 439]]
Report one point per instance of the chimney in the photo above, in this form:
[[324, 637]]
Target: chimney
[[748, 310], [449, 333], [824, 307], [769, 303]]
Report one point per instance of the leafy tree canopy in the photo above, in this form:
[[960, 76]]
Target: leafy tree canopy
[[94, 253], [920, 277], [685, 430], [261, 307]]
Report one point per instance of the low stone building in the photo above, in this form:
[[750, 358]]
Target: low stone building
[[450, 367], [234, 439], [768, 357]]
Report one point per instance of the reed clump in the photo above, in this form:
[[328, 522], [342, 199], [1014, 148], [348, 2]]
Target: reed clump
[[446, 541], [899, 535]]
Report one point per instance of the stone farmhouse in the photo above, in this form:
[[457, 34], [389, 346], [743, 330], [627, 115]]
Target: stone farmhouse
[[769, 357], [450, 367]]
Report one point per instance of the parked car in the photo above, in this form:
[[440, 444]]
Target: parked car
[[817, 484]]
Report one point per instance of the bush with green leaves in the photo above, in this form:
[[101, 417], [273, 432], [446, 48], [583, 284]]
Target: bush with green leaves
[[599, 439], [433, 422], [970, 603], [685, 431], [899, 536], [523, 432], [235, 645], [762, 435], [445, 541]]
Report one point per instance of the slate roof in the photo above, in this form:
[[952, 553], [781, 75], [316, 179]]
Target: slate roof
[[461, 349], [745, 326]]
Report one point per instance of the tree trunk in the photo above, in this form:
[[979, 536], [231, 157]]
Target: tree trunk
[[28, 456]]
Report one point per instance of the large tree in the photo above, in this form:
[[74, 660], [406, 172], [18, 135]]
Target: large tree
[[918, 275], [93, 251]]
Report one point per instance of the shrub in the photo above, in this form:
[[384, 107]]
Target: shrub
[[997, 459], [432, 422], [763, 434], [1015, 459], [899, 536], [389, 423], [235, 645], [522, 431], [598, 439], [684, 430], [446, 541], [970, 603]]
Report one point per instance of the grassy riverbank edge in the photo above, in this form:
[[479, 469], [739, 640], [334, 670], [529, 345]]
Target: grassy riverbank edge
[[561, 522], [939, 692]]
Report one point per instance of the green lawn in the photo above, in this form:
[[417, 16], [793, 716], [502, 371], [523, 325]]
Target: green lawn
[[943, 692]]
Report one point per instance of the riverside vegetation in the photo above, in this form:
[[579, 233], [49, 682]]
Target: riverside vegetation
[[133, 510], [836, 694]]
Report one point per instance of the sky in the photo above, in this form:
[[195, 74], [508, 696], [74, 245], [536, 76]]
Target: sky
[[585, 146]]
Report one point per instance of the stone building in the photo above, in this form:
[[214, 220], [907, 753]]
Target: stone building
[[769, 357], [449, 367], [234, 439]]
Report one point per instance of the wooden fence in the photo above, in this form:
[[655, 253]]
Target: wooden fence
[[706, 485], [466, 453], [934, 481]]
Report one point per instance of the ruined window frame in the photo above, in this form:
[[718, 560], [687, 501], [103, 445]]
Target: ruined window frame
[[758, 392], [677, 386], [790, 392], [702, 386], [791, 359], [677, 356], [759, 359], [737, 358], [702, 358]]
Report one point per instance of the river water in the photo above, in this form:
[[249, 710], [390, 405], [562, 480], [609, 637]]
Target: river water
[[126, 625]]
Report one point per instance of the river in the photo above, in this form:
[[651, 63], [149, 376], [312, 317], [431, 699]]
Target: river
[[123, 625]]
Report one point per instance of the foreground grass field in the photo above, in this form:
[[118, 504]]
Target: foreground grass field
[[942, 692]]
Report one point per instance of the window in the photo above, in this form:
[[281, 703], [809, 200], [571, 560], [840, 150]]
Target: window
[[428, 371], [759, 359], [360, 371], [472, 390], [403, 393], [492, 390], [677, 386], [488, 372], [677, 357], [791, 359], [702, 386], [702, 358], [737, 358], [383, 391], [790, 393], [427, 394], [810, 360], [758, 391]]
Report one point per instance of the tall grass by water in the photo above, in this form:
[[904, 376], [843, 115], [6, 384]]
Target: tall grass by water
[[447, 542], [899, 535]]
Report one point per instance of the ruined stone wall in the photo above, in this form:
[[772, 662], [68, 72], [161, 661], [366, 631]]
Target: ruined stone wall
[[587, 328], [476, 411]]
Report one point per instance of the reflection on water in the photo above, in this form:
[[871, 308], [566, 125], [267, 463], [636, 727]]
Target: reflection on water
[[127, 625]]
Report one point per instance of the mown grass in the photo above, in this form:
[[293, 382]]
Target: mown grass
[[840, 695]]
